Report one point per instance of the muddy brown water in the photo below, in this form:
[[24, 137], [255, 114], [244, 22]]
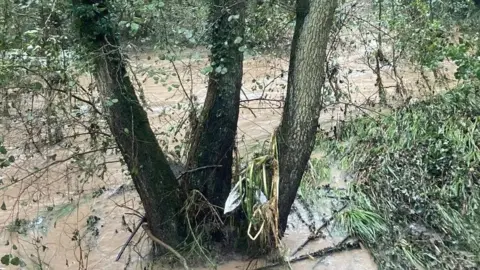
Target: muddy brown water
[[81, 223]]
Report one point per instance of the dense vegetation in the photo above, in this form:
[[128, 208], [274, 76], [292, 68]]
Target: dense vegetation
[[416, 203]]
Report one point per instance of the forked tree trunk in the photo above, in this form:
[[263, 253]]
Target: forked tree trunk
[[306, 76], [128, 122], [214, 138]]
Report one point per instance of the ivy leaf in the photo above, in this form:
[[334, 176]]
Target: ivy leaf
[[206, 70], [5, 259], [36, 86], [15, 261]]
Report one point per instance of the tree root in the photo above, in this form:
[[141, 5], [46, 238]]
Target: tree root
[[144, 225], [160, 242]]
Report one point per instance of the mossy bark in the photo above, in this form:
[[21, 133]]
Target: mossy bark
[[214, 137], [296, 134], [128, 122]]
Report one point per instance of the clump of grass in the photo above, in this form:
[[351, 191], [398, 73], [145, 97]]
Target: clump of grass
[[416, 201], [363, 223]]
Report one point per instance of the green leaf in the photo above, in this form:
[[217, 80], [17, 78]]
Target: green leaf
[[14, 247], [134, 171], [31, 33], [3, 150], [138, 20], [233, 17], [5, 259], [15, 261], [134, 27], [188, 34], [206, 70], [36, 86], [237, 40], [3, 207]]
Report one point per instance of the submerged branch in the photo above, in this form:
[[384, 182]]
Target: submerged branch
[[342, 246], [317, 232]]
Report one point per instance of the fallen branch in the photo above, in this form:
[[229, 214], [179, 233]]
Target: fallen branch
[[342, 246], [317, 232], [130, 238]]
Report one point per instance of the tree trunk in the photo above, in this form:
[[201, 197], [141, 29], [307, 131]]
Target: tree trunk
[[306, 76], [379, 57], [214, 137], [128, 122]]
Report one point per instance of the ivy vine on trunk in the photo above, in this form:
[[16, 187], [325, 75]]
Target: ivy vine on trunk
[[214, 137], [128, 122]]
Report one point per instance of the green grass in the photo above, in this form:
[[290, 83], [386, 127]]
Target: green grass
[[416, 201]]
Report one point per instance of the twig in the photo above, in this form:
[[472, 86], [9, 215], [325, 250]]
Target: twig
[[342, 246], [183, 88], [198, 169], [53, 164], [130, 238], [50, 86], [160, 242]]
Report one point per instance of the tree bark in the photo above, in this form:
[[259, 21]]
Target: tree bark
[[128, 122], [306, 76], [379, 57], [214, 137]]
